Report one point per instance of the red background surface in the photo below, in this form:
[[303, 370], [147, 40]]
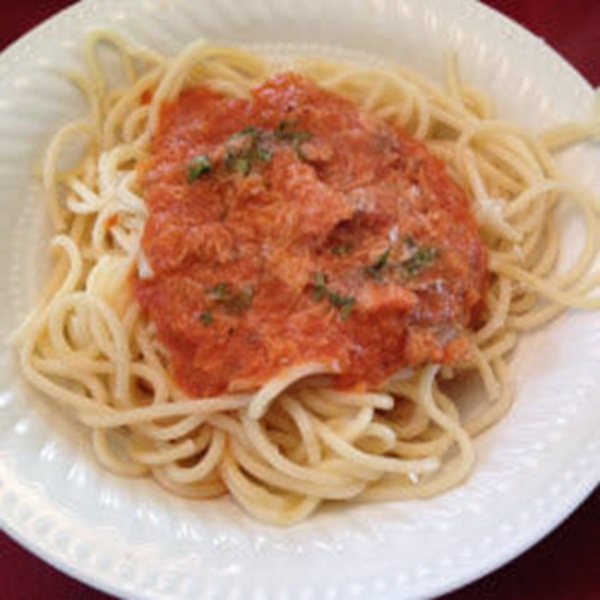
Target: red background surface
[[566, 565]]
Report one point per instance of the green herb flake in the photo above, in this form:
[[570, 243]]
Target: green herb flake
[[206, 318], [375, 269], [339, 301], [419, 261], [241, 156], [198, 166], [345, 303], [233, 300], [320, 291], [284, 131], [381, 260]]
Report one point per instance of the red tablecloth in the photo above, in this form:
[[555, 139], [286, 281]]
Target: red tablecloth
[[566, 565]]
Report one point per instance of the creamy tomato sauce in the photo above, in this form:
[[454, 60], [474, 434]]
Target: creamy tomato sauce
[[294, 227]]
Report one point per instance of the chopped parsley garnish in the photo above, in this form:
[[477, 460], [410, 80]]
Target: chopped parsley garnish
[[247, 147], [320, 291], [242, 154], [198, 166], [233, 300], [345, 303], [206, 318], [285, 132], [374, 270], [420, 260], [420, 257]]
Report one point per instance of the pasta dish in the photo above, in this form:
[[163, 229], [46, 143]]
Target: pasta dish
[[272, 279]]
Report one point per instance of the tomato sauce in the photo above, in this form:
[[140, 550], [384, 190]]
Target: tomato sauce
[[293, 227]]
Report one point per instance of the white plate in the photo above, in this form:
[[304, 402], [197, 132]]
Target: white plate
[[132, 539]]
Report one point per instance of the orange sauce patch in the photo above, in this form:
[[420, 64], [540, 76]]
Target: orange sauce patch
[[295, 227]]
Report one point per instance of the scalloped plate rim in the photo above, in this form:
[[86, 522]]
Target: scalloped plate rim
[[563, 508]]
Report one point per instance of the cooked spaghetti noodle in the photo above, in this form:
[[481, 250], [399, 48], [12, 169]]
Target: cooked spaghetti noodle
[[297, 441]]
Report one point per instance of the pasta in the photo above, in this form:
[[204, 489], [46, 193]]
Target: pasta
[[282, 450]]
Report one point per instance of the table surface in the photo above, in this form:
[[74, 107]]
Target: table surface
[[565, 565]]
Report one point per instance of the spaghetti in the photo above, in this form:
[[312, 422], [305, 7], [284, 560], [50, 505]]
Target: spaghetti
[[283, 447]]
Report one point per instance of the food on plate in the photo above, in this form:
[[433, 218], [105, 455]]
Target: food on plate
[[271, 281]]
